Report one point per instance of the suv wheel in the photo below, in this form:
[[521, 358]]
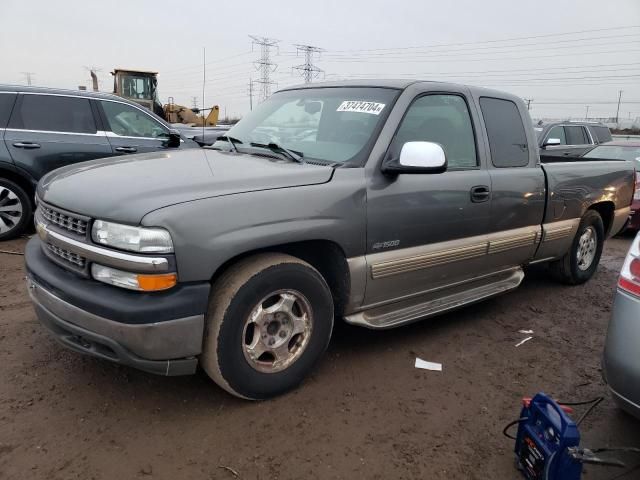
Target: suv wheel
[[15, 209], [269, 320], [581, 261]]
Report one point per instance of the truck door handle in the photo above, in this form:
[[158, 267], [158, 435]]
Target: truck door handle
[[480, 193], [27, 145], [126, 149]]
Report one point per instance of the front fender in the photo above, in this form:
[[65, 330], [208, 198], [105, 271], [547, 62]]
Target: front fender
[[209, 232]]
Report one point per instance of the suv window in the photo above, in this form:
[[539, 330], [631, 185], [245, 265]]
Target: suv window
[[442, 119], [558, 132], [53, 113], [507, 136], [576, 136], [6, 104], [602, 134], [129, 121]]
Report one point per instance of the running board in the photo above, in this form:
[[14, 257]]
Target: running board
[[433, 303]]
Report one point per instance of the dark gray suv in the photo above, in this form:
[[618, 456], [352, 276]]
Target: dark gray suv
[[43, 129], [570, 138]]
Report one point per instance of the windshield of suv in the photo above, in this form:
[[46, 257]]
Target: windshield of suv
[[334, 125]]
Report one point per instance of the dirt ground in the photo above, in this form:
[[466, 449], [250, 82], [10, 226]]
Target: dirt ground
[[366, 412]]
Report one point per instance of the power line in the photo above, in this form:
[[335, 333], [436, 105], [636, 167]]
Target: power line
[[473, 50], [491, 41], [484, 59], [308, 70], [264, 64]]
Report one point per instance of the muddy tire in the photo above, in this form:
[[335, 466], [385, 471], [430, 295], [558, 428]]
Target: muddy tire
[[269, 321], [15, 210], [581, 261]]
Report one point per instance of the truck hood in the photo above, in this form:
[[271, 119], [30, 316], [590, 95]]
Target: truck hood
[[125, 189]]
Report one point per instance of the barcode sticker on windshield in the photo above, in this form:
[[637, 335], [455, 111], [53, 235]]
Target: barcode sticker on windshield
[[361, 107]]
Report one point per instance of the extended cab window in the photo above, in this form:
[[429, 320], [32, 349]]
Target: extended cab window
[[129, 121], [53, 113], [507, 136], [442, 119], [6, 104]]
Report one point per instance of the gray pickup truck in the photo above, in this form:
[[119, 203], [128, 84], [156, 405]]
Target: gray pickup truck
[[377, 202]]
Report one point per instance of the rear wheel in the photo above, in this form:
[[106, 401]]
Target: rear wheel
[[581, 261], [15, 209], [269, 321]]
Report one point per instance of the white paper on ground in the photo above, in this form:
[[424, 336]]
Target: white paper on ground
[[523, 341], [526, 332], [428, 365]]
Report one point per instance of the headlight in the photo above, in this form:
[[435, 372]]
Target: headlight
[[133, 239], [133, 281]]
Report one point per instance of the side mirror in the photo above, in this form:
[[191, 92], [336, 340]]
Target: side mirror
[[418, 157], [552, 142], [173, 140]]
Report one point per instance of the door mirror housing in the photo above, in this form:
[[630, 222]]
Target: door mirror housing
[[173, 139], [418, 157], [552, 142]]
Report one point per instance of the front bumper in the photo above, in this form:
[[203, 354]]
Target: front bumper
[[621, 360], [157, 332]]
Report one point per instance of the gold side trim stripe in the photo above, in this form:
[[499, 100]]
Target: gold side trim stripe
[[419, 262], [557, 233], [502, 245]]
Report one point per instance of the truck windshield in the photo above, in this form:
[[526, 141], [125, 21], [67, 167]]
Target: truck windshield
[[334, 125]]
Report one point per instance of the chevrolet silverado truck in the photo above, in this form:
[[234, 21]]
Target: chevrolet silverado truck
[[377, 202]]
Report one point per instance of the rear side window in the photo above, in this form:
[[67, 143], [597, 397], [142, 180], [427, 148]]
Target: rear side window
[[507, 136], [54, 114], [576, 136], [602, 134], [6, 104]]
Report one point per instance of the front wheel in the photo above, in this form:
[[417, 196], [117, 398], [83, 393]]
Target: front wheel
[[269, 320], [581, 261]]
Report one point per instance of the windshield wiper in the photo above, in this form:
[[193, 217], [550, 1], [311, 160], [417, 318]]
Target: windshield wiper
[[232, 141], [274, 147]]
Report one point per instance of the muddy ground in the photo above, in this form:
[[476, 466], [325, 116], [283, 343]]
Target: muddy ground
[[366, 412]]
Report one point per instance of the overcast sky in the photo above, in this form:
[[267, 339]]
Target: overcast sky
[[564, 55]]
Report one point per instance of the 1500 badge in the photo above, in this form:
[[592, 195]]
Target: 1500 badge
[[389, 244]]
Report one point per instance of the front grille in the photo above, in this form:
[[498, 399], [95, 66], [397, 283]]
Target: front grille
[[64, 220], [67, 256]]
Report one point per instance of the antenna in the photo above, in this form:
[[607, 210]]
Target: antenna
[[264, 64], [204, 81], [308, 69]]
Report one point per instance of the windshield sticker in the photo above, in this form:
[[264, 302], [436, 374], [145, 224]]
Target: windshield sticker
[[361, 107]]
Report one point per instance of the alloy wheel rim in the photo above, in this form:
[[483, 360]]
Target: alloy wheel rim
[[277, 331], [587, 244], [11, 210]]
